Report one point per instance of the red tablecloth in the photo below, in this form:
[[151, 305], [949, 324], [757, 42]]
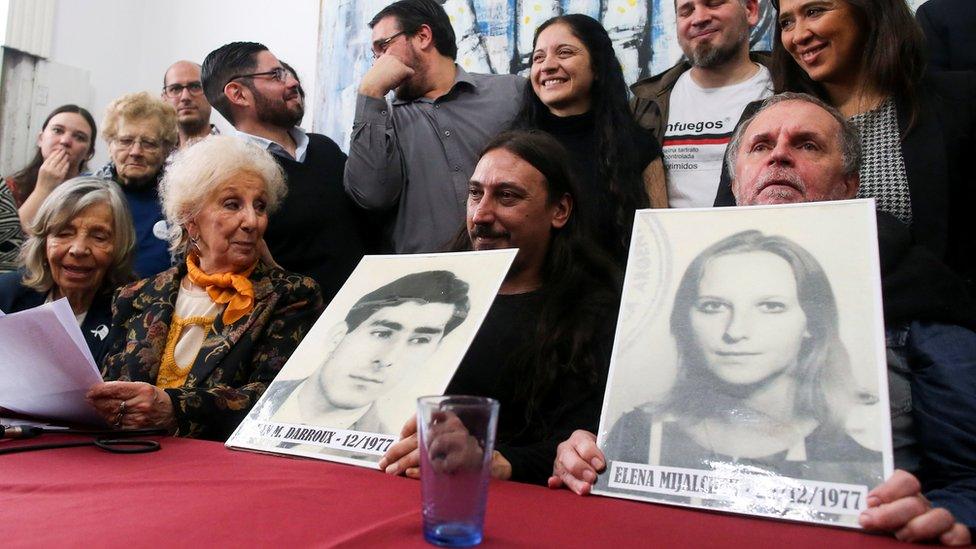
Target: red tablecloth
[[199, 494]]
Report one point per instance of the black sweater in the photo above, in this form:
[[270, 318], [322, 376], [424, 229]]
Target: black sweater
[[318, 231], [578, 134], [490, 369]]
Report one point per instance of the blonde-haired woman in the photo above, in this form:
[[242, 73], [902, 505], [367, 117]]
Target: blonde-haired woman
[[141, 132], [197, 344]]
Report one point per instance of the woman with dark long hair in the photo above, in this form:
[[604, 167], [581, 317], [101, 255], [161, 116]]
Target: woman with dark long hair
[[64, 147], [918, 127], [576, 92]]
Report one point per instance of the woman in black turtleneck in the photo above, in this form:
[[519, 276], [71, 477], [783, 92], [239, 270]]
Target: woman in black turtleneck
[[579, 96]]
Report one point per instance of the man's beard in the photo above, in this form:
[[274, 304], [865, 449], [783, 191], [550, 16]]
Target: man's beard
[[708, 56], [194, 126], [793, 189], [415, 86], [139, 183], [484, 231], [409, 90], [276, 112]]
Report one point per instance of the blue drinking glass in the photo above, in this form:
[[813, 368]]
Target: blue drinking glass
[[457, 437]]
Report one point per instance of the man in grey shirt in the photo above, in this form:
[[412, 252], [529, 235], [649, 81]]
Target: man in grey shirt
[[418, 154]]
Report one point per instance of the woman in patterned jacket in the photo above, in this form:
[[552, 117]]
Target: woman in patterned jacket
[[195, 346]]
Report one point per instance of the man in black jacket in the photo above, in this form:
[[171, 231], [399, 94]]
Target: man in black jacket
[[949, 38], [692, 107]]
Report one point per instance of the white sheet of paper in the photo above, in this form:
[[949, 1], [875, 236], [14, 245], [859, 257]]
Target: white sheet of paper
[[45, 365]]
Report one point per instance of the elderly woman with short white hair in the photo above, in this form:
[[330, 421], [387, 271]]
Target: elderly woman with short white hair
[[141, 131], [196, 345]]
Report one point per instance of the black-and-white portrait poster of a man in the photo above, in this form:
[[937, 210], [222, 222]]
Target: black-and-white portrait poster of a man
[[748, 372], [396, 331]]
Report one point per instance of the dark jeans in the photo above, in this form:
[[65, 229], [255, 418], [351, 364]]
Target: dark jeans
[[932, 392]]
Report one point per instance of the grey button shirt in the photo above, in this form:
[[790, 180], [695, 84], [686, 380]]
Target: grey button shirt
[[418, 155]]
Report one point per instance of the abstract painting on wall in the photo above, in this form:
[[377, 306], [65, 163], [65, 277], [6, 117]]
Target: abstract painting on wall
[[495, 36]]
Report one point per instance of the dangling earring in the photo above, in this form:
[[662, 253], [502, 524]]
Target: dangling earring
[[193, 241]]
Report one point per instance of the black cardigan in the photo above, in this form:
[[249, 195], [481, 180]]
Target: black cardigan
[[15, 297]]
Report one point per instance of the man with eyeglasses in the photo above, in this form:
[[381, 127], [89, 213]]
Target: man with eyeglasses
[[183, 89], [317, 231], [431, 134]]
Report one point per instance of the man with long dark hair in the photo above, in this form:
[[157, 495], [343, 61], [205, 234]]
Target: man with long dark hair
[[544, 348], [431, 133]]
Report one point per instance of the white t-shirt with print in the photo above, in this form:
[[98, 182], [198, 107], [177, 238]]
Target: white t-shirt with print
[[700, 124]]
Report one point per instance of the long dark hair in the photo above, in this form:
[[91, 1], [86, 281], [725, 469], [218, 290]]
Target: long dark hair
[[824, 382], [893, 54], [580, 283], [26, 178], [617, 154]]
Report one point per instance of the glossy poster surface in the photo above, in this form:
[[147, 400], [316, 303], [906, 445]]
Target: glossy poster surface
[[748, 372], [396, 331]]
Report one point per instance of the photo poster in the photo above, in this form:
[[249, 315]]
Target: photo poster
[[396, 331], [748, 372]]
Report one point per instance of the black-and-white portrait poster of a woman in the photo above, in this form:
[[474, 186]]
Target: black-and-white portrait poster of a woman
[[748, 371]]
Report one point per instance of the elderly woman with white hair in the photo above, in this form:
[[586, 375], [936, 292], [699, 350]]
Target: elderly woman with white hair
[[79, 247], [195, 346], [141, 131]]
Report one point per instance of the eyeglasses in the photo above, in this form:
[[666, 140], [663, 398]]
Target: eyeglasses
[[380, 46], [147, 145], [277, 73], [176, 90]]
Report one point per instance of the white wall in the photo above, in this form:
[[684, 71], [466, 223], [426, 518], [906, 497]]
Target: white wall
[[4, 8], [126, 45]]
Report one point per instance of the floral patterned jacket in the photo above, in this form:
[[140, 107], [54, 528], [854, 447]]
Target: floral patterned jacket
[[236, 362]]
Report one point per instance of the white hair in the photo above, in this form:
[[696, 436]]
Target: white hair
[[197, 172], [64, 203]]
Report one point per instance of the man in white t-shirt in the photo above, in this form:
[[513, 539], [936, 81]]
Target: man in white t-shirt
[[693, 107]]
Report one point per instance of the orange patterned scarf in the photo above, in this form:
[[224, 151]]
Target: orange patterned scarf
[[234, 289]]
